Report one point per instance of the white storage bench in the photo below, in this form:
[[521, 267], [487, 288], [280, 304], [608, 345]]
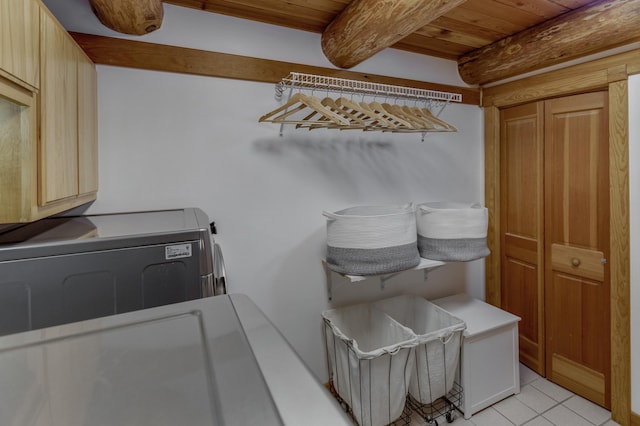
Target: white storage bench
[[490, 366]]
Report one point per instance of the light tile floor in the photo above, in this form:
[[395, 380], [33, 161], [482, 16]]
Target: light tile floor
[[539, 403]]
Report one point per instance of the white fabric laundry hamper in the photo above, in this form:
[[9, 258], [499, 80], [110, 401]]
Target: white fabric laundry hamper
[[370, 358], [370, 240], [452, 231], [439, 337]]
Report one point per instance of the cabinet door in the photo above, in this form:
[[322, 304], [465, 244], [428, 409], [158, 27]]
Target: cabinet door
[[87, 126], [58, 155], [19, 42], [17, 149]]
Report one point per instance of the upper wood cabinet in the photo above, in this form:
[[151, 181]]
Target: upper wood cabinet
[[19, 41], [68, 120], [48, 139]]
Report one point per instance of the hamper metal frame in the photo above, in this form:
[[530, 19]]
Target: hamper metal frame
[[444, 406], [405, 417]]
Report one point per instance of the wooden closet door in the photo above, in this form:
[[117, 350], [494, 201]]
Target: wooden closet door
[[522, 271], [576, 245]]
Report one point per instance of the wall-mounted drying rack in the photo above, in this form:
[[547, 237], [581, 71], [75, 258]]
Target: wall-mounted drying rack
[[412, 110]]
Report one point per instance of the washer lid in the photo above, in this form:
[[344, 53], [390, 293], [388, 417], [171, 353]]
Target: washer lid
[[188, 363]]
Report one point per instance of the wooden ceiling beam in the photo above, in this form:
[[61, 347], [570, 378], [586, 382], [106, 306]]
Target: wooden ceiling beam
[[602, 25], [365, 27], [136, 17], [150, 56]]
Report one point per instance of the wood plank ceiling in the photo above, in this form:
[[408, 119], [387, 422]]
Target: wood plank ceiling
[[469, 26], [490, 39]]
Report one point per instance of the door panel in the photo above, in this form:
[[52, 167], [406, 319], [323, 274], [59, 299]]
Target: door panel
[[522, 271], [576, 244], [522, 286]]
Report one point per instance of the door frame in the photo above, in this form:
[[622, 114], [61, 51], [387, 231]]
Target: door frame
[[610, 74]]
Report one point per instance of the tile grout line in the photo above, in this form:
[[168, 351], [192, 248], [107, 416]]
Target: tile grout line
[[546, 411], [553, 406], [557, 403]]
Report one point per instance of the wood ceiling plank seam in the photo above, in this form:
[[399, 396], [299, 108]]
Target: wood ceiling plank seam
[[278, 20], [484, 20], [279, 5], [331, 6], [192, 4], [320, 18], [421, 50], [325, 5], [572, 4], [312, 23], [466, 27], [546, 9], [443, 46], [464, 39], [499, 10], [288, 8]]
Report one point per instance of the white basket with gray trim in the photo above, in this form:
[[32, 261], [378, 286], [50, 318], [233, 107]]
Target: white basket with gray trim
[[452, 231], [371, 240]]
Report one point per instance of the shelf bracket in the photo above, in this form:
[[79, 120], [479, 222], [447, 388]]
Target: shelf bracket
[[327, 273], [425, 264], [385, 278]]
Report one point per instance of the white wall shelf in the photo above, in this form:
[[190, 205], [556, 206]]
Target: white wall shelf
[[425, 264]]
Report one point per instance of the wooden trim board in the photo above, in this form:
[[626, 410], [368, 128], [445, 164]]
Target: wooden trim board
[[581, 78], [620, 263], [492, 198], [609, 73], [159, 57]]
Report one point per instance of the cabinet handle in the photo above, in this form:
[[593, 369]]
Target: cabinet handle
[[575, 262]]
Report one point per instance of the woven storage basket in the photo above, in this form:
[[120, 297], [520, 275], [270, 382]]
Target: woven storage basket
[[370, 240], [452, 231]]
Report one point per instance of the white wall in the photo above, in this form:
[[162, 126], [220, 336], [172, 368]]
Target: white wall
[[169, 140], [634, 199]]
